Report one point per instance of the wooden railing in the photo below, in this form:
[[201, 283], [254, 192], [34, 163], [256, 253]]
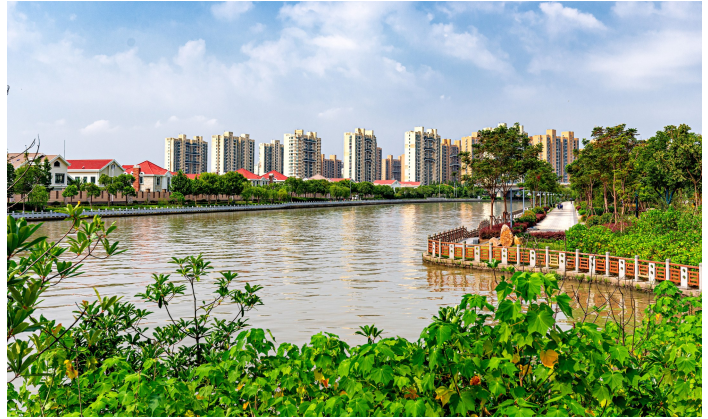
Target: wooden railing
[[607, 265], [454, 235]]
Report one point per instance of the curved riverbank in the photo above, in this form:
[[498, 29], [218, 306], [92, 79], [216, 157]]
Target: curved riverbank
[[51, 215]]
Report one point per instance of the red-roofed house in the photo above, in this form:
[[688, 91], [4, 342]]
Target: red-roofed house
[[150, 176], [92, 169], [252, 177], [410, 184], [57, 164], [392, 183], [274, 176], [337, 179]]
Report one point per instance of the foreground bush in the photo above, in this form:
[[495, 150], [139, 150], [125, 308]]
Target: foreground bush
[[476, 358]]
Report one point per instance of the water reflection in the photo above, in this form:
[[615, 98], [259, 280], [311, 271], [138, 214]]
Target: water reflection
[[329, 269]]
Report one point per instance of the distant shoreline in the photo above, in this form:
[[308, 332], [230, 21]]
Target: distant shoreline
[[170, 210]]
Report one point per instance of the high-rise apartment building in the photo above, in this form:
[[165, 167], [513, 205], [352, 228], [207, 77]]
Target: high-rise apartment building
[[230, 152], [391, 168], [557, 150], [449, 160], [360, 155], [331, 167], [379, 156], [466, 146], [270, 157], [302, 153], [422, 149], [189, 156]]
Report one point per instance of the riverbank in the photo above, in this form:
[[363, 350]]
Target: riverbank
[[644, 286], [169, 210]]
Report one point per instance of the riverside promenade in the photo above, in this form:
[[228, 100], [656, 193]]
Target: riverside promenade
[[558, 219]]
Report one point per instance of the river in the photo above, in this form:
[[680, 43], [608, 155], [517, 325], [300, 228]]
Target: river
[[329, 269]]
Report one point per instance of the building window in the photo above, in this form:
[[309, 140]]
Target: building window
[[141, 180], [56, 164], [59, 178], [158, 180], [84, 179]]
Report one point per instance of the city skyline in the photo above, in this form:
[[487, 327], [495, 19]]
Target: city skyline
[[144, 79]]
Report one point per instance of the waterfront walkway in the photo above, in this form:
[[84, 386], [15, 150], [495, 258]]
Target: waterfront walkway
[[559, 219]]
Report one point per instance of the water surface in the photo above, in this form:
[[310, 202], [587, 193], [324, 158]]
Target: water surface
[[326, 269]]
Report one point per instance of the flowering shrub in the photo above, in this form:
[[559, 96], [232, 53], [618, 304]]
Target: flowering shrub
[[550, 235], [540, 217], [489, 232]]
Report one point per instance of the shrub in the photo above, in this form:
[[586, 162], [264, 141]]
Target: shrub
[[592, 220], [546, 208], [538, 210], [549, 235], [528, 219], [489, 232], [656, 235], [540, 217], [581, 211], [607, 218]]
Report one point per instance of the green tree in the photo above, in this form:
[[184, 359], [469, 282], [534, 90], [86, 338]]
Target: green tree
[[499, 160], [181, 183], [208, 184], [231, 183], [177, 197], [10, 174], [282, 194], [127, 191], [70, 192], [92, 191], [38, 197], [365, 188], [615, 145]]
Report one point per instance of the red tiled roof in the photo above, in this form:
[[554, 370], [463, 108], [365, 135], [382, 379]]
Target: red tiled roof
[[337, 179], [276, 175], [385, 182], [94, 164], [150, 168], [248, 175], [192, 175], [410, 183]]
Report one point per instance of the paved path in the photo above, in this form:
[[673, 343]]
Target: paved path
[[559, 219]]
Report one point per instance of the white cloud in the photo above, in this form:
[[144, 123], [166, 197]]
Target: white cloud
[[653, 59], [98, 127], [468, 46], [72, 17], [562, 18], [191, 53], [257, 28], [230, 10], [334, 113], [684, 10]]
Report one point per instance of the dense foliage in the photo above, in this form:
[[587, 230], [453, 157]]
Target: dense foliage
[[477, 358], [656, 235], [617, 172]]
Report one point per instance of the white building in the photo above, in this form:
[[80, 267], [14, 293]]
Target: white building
[[421, 151], [230, 152], [360, 155], [58, 166]]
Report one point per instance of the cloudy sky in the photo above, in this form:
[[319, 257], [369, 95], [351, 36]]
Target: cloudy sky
[[114, 79]]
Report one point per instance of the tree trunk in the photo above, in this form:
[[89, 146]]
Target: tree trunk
[[604, 193]]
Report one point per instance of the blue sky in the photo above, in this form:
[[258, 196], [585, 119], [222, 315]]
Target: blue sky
[[115, 79]]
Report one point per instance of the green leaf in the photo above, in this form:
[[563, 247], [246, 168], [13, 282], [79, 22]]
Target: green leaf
[[508, 311], [443, 334], [382, 375], [539, 321], [619, 352], [563, 302]]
